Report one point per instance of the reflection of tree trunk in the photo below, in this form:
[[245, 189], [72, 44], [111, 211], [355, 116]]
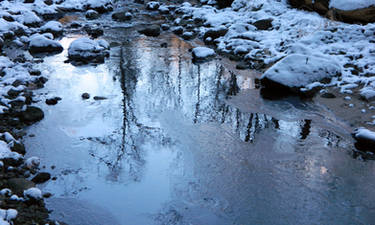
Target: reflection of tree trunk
[[198, 95], [233, 87], [249, 126], [305, 129], [179, 74]]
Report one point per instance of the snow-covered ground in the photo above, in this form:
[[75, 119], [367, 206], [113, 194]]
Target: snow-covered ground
[[291, 31]]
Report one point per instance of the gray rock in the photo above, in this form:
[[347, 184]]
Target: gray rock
[[152, 31], [18, 185], [41, 178]]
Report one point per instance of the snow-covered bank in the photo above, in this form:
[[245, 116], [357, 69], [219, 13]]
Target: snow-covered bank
[[262, 32]]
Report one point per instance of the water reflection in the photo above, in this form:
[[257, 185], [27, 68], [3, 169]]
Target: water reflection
[[167, 144]]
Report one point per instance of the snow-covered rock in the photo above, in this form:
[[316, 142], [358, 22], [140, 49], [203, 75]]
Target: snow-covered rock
[[152, 5], [53, 27], [32, 162], [365, 139], [33, 194], [203, 53], [41, 43], [350, 4], [5, 152], [87, 50], [296, 71], [6, 215]]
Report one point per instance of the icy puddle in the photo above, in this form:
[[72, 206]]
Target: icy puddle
[[179, 143]]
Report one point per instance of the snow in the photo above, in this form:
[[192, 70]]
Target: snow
[[6, 215], [32, 162], [203, 52], [297, 70], [5, 152], [351, 4], [43, 41], [293, 32], [33, 193], [52, 26], [363, 133]]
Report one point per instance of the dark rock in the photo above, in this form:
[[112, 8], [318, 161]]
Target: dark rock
[[32, 114], [19, 148], [92, 14], [263, 24], [35, 72], [53, 101], [164, 45], [224, 3], [122, 16], [28, 1], [152, 31], [328, 95], [99, 98], [93, 31], [215, 33], [187, 35], [85, 95], [178, 30], [48, 2], [75, 25], [365, 15], [152, 5], [365, 140], [18, 185], [8, 18], [139, 1], [47, 195], [164, 26], [41, 178], [13, 93]]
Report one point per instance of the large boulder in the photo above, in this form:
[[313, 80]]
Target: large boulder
[[152, 31], [224, 3], [297, 71], [86, 50], [201, 54], [364, 15], [32, 114]]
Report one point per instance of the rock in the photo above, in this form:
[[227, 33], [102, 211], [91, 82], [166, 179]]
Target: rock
[[202, 54], [19, 148], [28, 1], [214, 33], [31, 114], [139, 1], [122, 16], [152, 31], [163, 10], [99, 6], [42, 44], [52, 27], [75, 24], [152, 5], [328, 95], [41, 178], [164, 45], [296, 71], [92, 14], [87, 50], [48, 2], [94, 31], [164, 26], [178, 30], [224, 3], [85, 95], [99, 98], [263, 24], [187, 35], [366, 15], [365, 139], [19, 185], [53, 101]]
